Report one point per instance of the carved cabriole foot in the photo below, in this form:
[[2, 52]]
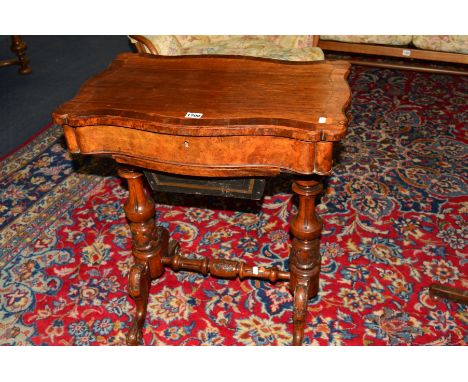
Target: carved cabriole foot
[[304, 260], [138, 285], [149, 245]]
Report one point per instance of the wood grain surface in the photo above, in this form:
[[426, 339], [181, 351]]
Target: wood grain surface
[[236, 95]]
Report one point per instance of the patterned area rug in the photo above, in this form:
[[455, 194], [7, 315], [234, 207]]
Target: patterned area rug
[[395, 220]]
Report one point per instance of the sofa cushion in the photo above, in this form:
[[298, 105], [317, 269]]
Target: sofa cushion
[[292, 48], [370, 39], [257, 47], [165, 44], [444, 43]]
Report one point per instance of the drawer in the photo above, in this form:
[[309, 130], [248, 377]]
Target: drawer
[[236, 152]]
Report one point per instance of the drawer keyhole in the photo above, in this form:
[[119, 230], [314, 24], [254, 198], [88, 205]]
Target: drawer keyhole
[[186, 145]]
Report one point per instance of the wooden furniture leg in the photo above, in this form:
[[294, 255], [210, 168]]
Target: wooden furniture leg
[[304, 260], [149, 245], [450, 293], [18, 47]]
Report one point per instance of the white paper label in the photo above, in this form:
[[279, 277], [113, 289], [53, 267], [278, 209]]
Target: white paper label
[[193, 115], [255, 270], [406, 52], [322, 120]]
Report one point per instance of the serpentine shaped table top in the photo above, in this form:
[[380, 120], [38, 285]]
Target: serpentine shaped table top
[[215, 95]]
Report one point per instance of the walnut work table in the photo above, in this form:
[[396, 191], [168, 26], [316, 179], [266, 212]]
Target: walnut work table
[[213, 117]]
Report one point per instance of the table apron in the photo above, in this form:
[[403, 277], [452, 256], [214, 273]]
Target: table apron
[[193, 155]]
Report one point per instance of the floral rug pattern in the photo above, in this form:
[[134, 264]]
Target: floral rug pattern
[[395, 220]]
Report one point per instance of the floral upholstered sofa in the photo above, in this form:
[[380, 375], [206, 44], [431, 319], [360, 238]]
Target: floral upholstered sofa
[[443, 48], [292, 48], [440, 43]]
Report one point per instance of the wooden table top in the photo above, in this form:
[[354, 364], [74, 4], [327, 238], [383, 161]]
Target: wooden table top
[[236, 96]]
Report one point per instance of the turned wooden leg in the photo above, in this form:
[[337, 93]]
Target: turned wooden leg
[[18, 46], [149, 245], [304, 259]]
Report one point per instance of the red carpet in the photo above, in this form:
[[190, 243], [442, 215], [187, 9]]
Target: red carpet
[[395, 220]]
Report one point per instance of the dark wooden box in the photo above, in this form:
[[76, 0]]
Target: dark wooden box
[[245, 188]]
